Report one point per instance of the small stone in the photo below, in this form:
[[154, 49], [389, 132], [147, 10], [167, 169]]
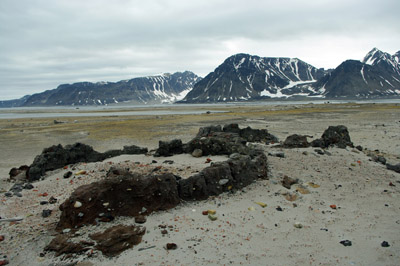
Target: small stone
[[46, 213], [68, 174], [66, 231], [18, 194], [141, 219], [28, 186], [4, 262], [197, 153], [279, 209], [172, 246], [106, 204], [212, 217], [164, 232], [298, 225], [223, 181], [52, 200], [346, 243], [1, 238], [385, 244], [77, 204], [44, 202], [81, 214], [8, 194]]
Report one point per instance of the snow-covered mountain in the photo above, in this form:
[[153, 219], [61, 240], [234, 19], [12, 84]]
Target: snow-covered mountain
[[165, 88], [377, 76], [247, 77]]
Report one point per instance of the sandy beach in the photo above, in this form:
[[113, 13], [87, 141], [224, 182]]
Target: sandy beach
[[298, 226]]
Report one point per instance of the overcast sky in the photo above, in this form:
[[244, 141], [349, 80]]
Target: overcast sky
[[44, 43]]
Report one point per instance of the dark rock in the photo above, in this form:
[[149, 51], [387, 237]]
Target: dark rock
[[28, 186], [17, 188], [334, 135], [320, 152], [8, 194], [279, 209], [4, 262], [62, 245], [248, 134], [346, 243], [52, 200], [359, 148], [385, 244], [44, 202], [169, 148], [277, 154], [116, 239], [126, 194], [395, 167], [68, 174], [171, 246], [287, 182], [14, 172], [141, 219], [18, 194], [57, 156], [168, 162], [238, 172], [296, 141], [46, 213], [379, 159]]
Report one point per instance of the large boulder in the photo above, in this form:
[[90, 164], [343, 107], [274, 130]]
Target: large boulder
[[296, 141], [334, 136], [120, 194]]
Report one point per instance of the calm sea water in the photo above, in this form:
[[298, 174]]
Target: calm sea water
[[162, 109]]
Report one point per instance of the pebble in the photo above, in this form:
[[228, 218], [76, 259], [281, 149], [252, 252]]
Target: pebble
[[77, 204], [346, 243], [1, 238], [298, 225], [141, 219], [385, 244], [46, 213], [68, 174], [171, 246]]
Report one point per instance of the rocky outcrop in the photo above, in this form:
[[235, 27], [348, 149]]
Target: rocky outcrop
[[296, 141], [61, 244], [120, 194], [114, 240], [169, 148], [57, 156], [334, 136], [236, 173]]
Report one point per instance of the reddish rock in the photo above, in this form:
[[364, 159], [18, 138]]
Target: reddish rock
[[116, 239], [120, 194]]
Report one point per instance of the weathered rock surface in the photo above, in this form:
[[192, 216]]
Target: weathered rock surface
[[334, 136], [120, 194], [169, 148], [296, 141], [395, 167], [248, 134], [61, 244], [118, 238], [57, 156]]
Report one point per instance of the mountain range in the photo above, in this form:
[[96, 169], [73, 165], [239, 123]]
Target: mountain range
[[241, 77]]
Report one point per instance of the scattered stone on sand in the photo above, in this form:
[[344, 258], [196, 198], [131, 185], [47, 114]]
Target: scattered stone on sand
[[385, 244], [287, 182], [346, 243], [46, 213], [278, 154], [67, 174], [118, 238], [171, 246], [197, 153]]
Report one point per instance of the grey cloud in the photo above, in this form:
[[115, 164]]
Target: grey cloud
[[44, 43]]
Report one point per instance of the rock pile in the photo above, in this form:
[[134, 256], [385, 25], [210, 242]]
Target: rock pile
[[57, 156]]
